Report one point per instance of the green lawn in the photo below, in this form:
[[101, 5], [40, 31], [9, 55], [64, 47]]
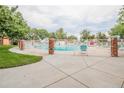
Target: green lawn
[[9, 59]]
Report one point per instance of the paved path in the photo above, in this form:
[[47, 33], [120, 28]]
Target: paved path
[[67, 71]]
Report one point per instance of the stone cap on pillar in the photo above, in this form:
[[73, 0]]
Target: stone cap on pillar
[[51, 39]]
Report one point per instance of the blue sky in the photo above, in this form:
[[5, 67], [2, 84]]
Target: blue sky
[[72, 18]]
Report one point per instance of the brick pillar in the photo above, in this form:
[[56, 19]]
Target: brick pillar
[[51, 46], [21, 44], [114, 47], [5, 41]]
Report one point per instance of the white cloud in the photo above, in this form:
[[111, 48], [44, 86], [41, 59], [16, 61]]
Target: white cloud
[[102, 13], [69, 17]]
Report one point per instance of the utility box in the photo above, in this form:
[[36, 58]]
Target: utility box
[[51, 45], [114, 47]]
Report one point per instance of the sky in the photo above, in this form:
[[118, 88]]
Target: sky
[[72, 18]]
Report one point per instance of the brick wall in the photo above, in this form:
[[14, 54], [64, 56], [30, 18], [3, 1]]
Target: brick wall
[[0, 41]]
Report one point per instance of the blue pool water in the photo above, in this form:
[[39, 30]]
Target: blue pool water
[[60, 47]]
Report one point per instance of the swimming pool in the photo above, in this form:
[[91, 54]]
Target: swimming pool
[[60, 47]]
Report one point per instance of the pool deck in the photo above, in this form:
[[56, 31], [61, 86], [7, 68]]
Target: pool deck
[[70, 70]]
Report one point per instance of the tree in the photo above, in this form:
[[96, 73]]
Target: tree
[[72, 38], [43, 33], [121, 16], [12, 23], [118, 29], [13, 9], [101, 35], [61, 34], [92, 36], [52, 35], [36, 34], [84, 35]]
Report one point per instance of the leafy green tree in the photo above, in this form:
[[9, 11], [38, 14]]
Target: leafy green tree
[[71, 38], [101, 35], [61, 34], [12, 23], [13, 9], [53, 35], [92, 36], [43, 33], [121, 16], [84, 35], [118, 29], [37, 34]]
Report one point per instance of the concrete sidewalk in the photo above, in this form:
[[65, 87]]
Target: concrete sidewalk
[[67, 71]]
